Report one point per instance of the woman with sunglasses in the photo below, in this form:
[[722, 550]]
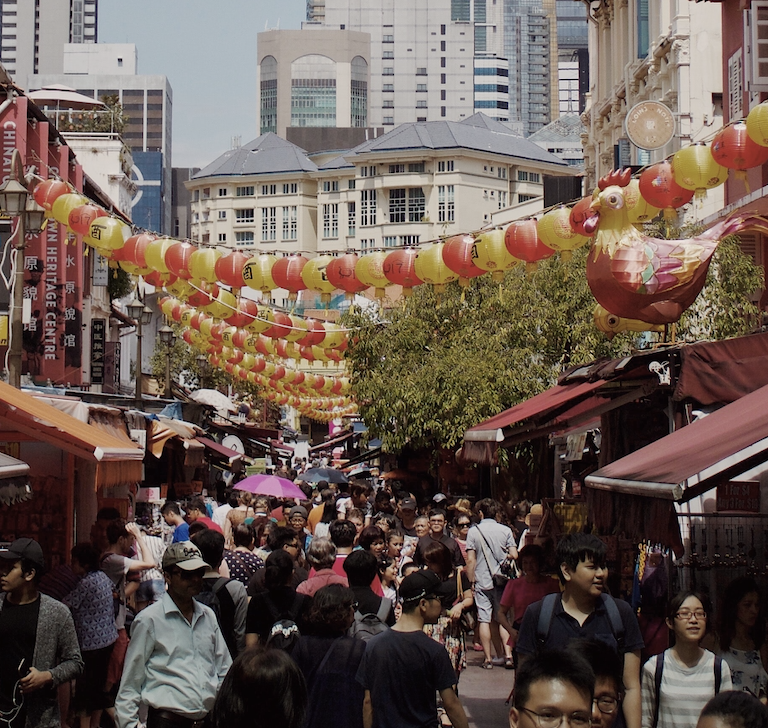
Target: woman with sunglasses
[[677, 684], [460, 527]]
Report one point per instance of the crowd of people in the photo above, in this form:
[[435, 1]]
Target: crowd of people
[[357, 610]]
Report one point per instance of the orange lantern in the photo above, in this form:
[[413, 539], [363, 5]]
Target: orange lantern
[[159, 280], [205, 296], [246, 311], [298, 329], [458, 256], [315, 333], [80, 218], [315, 277], [733, 148], [695, 169], [48, 191], [429, 266], [281, 326], [555, 231], [154, 254], [658, 187], [286, 273], [400, 268], [229, 269], [522, 241], [135, 247], [177, 259], [370, 271], [341, 273], [64, 204]]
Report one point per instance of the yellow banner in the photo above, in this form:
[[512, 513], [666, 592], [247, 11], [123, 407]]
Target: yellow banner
[[3, 331]]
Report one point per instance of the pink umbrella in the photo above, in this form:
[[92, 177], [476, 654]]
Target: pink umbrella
[[261, 484]]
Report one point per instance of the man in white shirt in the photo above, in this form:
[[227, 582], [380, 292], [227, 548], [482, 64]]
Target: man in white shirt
[[177, 658]]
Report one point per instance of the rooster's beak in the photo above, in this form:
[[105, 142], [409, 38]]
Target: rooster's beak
[[595, 204]]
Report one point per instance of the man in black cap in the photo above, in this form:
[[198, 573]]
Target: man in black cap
[[38, 642], [402, 668]]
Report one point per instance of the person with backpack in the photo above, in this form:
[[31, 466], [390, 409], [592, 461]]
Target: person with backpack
[[374, 613], [278, 603], [585, 610], [227, 597], [678, 683]]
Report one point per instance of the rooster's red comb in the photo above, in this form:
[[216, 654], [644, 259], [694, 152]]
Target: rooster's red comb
[[620, 177]]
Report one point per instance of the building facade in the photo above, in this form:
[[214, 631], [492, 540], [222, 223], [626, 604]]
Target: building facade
[[34, 33]]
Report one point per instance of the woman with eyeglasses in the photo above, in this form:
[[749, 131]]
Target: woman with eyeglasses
[[677, 684]]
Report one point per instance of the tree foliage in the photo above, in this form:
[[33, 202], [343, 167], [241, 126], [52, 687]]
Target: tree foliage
[[440, 364]]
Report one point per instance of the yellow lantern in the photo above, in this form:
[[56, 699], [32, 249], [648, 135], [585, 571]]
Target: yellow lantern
[[319, 353], [227, 334], [638, 209], [490, 254], [179, 288], [298, 330], [257, 273], [202, 264], [186, 317], [555, 232], [249, 344], [335, 336], [154, 254], [431, 269], [315, 277], [248, 362], [223, 306], [168, 305], [757, 124], [262, 322], [64, 204], [107, 232], [695, 169], [369, 270]]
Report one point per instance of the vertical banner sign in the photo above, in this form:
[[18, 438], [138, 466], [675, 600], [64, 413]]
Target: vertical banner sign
[[98, 340], [73, 296]]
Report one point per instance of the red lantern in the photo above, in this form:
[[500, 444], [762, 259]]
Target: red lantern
[[315, 334], [80, 218], [281, 327], [247, 310], [307, 353], [229, 268], [134, 248], [733, 148], [399, 268], [158, 279], [205, 296], [341, 273], [286, 273], [658, 188], [239, 337], [177, 259], [457, 255], [48, 191], [522, 241]]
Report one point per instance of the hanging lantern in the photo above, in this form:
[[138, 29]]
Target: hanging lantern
[[458, 256], [658, 187], [555, 231], [263, 322], [757, 124], [298, 329], [202, 264], [733, 148], [491, 255], [639, 210], [522, 241], [341, 273], [205, 296], [64, 204], [223, 305], [249, 343], [135, 248], [178, 287], [108, 232], [429, 266], [286, 273], [197, 318], [257, 273], [244, 314], [695, 169], [166, 305], [177, 259], [229, 269], [248, 361], [265, 346], [155, 252], [48, 191], [228, 337], [80, 218], [400, 268], [335, 335], [187, 312], [370, 271], [281, 326], [315, 333], [315, 277], [159, 280]]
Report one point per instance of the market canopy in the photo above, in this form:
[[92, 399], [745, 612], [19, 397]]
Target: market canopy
[[117, 461], [695, 458]]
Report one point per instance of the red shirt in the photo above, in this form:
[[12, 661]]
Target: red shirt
[[208, 522]]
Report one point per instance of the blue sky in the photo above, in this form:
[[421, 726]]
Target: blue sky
[[208, 52]]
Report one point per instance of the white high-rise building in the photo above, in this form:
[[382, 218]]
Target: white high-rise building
[[423, 55], [34, 33]]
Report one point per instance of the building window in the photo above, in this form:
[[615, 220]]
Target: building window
[[421, 118], [331, 221], [248, 191], [445, 203], [397, 205], [409, 239], [291, 189], [367, 244], [388, 39], [367, 207], [330, 186], [388, 87], [206, 193], [421, 87], [388, 54], [502, 171], [416, 204], [350, 184], [351, 219], [268, 95], [525, 198], [416, 167], [222, 214], [421, 71], [442, 46], [290, 224], [502, 199], [388, 71], [222, 191], [442, 78], [242, 216], [222, 237], [421, 104], [267, 190], [369, 171], [245, 236], [442, 62], [390, 241], [396, 168], [268, 224], [313, 91], [522, 175], [445, 165], [442, 30], [359, 93], [442, 111], [388, 104], [389, 121]]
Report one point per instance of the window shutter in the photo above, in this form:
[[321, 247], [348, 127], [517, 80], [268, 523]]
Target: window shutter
[[759, 42], [735, 86]]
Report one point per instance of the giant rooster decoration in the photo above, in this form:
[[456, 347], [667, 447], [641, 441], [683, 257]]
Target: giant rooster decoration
[[635, 276]]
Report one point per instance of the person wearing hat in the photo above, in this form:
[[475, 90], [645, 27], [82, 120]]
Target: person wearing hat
[[297, 520], [38, 643], [402, 668], [177, 658]]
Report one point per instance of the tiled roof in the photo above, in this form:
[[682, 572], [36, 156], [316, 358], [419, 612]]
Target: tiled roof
[[567, 128]]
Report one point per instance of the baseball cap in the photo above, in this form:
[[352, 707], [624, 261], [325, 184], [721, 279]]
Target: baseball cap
[[297, 511], [439, 497], [185, 555], [25, 548], [419, 584], [408, 504]]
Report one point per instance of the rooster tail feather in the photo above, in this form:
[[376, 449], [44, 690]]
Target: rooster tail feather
[[735, 225]]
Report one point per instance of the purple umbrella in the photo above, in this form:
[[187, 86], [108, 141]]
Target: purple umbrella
[[261, 484]]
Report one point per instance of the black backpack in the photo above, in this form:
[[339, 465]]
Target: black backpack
[[284, 632], [548, 608], [217, 597], [367, 626]]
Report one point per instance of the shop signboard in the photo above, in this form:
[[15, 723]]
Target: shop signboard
[[739, 497]]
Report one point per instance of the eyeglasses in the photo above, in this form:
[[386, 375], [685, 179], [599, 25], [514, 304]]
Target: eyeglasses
[[551, 718], [686, 614], [606, 704]]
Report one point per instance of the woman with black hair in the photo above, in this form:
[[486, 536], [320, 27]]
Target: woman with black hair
[[733, 709], [263, 689], [372, 539], [329, 659], [321, 529]]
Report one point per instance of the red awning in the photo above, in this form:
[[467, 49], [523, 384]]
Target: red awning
[[695, 458], [225, 452]]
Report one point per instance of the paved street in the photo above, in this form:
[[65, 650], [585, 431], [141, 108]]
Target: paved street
[[483, 693]]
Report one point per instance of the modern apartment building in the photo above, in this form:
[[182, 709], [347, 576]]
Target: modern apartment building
[[34, 33]]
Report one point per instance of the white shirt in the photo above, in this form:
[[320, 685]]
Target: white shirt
[[220, 515], [172, 664]]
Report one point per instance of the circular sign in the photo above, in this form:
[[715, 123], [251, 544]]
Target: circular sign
[[650, 125]]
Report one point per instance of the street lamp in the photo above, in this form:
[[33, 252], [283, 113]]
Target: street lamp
[[142, 315], [167, 337], [16, 201], [202, 367]]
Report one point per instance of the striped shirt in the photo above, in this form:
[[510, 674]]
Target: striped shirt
[[684, 690]]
